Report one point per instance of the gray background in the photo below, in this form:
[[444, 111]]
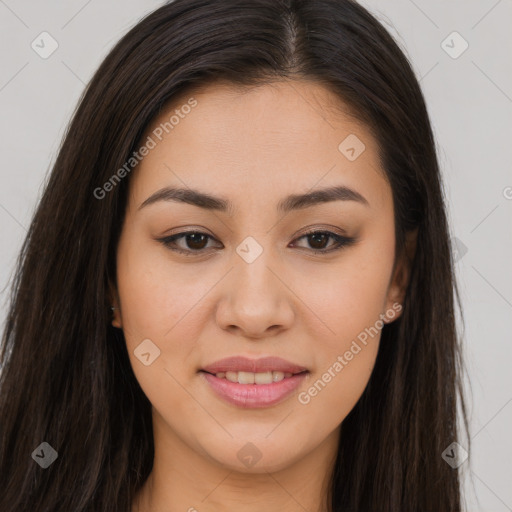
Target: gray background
[[470, 103]]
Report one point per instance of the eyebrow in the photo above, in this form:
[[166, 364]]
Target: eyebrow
[[289, 203]]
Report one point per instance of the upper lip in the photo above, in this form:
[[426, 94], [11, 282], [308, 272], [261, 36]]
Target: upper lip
[[244, 364]]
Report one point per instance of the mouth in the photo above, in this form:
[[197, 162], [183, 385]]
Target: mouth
[[251, 383]]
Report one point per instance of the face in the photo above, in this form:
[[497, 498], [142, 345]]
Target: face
[[257, 271]]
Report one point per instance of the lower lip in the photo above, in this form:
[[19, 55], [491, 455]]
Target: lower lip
[[254, 395]]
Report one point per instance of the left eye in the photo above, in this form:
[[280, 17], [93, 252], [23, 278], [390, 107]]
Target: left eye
[[196, 241], [317, 241]]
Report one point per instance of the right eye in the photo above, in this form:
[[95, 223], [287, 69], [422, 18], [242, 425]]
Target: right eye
[[195, 242]]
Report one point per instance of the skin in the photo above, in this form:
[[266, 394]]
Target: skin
[[254, 147]]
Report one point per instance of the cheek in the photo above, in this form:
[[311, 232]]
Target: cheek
[[154, 297], [344, 357], [349, 304], [330, 394], [155, 302], [349, 295], [171, 306]]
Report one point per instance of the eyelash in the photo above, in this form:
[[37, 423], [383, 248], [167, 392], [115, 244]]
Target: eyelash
[[341, 242]]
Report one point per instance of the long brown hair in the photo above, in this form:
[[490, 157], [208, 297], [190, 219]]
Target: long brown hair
[[66, 377]]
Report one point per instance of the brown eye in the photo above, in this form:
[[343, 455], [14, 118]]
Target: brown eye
[[196, 240], [193, 242], [318, 241]]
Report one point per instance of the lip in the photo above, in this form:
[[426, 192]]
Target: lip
[[244, 364], [254, 395]]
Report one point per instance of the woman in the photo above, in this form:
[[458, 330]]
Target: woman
[[237, 289]]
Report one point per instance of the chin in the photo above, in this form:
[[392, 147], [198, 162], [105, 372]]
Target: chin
[[257, 456]]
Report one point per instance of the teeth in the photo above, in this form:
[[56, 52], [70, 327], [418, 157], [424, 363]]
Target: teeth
[[263, 378], [253, 378], [277, 376]]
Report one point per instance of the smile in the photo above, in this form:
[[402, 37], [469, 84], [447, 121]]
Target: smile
[[253, 383]]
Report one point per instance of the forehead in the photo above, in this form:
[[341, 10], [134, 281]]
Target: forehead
[[259, 139]]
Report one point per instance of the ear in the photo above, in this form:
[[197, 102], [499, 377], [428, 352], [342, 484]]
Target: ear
[[114, 303], [401, 276]]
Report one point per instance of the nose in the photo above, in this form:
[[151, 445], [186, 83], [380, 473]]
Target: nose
[[256, 301]]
